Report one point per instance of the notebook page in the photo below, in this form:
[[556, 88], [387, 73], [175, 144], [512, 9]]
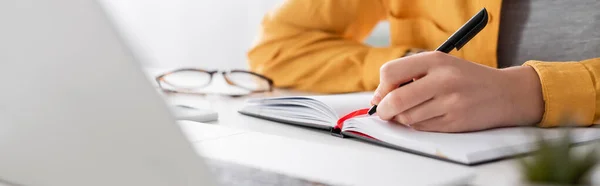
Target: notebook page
[[316, 111], [286, 116], [296, 104], [464, 147], [343, 104], [297, 112]]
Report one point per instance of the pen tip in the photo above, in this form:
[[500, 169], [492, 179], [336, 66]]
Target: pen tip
[[372, 110]]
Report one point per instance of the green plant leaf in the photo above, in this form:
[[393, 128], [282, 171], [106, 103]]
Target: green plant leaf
[[555, 163]]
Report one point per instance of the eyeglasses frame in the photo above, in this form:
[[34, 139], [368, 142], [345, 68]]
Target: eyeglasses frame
[[160, 79]]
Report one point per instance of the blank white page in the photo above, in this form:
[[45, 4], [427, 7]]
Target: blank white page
[[465, 147]]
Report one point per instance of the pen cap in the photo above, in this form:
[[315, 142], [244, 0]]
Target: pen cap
[[472, 28], [465, 33]]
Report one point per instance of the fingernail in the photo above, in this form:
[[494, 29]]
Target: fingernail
[[376, 99]]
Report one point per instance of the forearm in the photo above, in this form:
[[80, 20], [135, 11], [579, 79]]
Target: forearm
[[326, 64], [317, 45]]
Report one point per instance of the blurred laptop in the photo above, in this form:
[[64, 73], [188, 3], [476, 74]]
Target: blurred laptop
[[76, 109]]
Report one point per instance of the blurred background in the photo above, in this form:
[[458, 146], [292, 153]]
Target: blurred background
[[210, 34]]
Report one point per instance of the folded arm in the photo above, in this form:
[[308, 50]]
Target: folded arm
[[317, 46]]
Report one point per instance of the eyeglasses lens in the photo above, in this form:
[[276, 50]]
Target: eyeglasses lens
[[248, 81], [187, 79]]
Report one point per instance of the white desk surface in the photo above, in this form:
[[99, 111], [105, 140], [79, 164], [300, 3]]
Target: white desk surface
[[312, 154], [309, 153]]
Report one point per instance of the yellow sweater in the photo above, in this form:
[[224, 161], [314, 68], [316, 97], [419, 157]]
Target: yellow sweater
[[316, 45]]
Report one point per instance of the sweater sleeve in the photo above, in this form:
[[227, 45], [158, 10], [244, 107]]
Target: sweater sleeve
[[317, 45], [570, 91]]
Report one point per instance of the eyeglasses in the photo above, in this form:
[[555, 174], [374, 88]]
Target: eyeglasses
[[194, 81]]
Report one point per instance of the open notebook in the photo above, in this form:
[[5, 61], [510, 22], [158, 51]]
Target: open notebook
[[323, 112]]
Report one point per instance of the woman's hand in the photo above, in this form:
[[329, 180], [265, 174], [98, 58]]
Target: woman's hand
[[455, 95]]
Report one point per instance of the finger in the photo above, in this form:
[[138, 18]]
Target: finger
[[427, 110], [403, 70], [435, 124], [376, 98], [406, 97]]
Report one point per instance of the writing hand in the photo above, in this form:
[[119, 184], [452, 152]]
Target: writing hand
[[455, 95]]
